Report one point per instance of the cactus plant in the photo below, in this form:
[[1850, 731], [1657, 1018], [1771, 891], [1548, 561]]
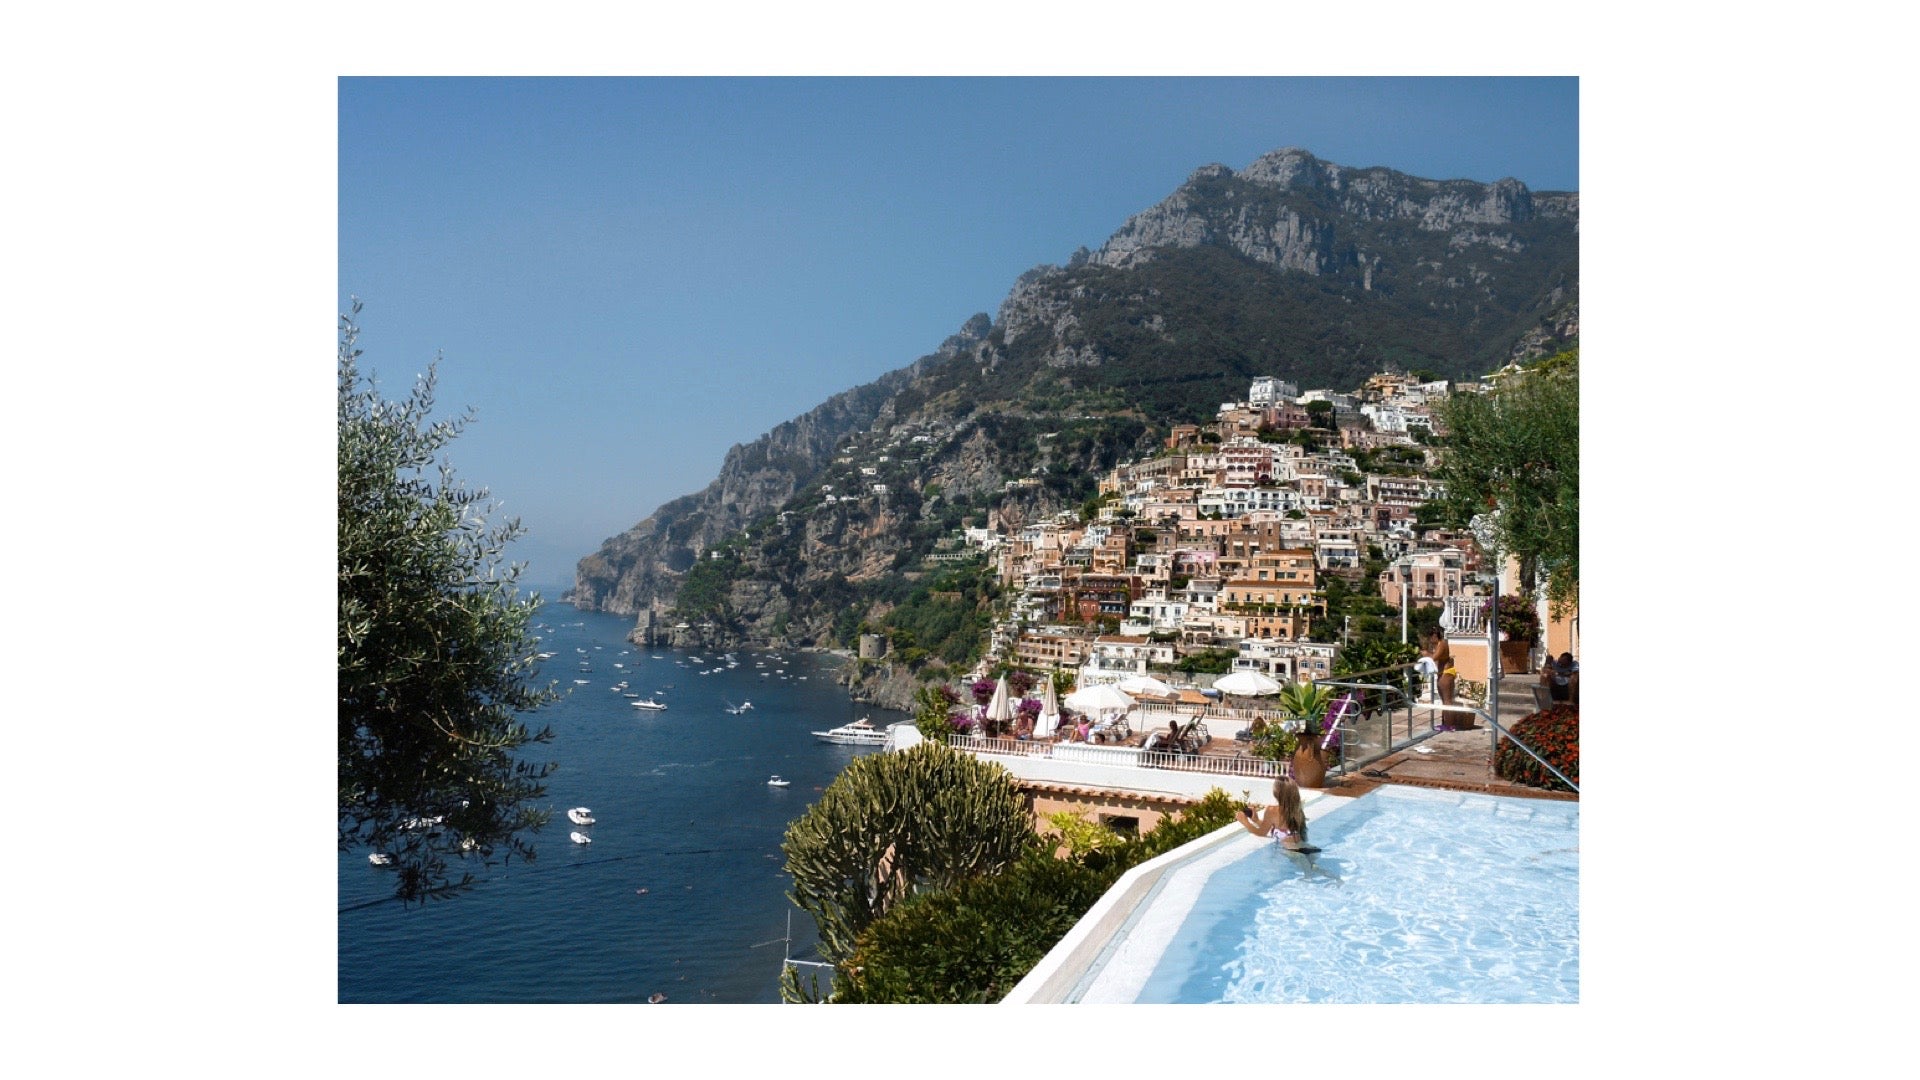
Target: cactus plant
[[895, 824]]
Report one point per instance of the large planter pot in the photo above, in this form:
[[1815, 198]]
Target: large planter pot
[[1309, 767], [1513, 657]]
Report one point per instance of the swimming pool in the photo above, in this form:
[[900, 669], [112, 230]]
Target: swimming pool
[[1419, 896]]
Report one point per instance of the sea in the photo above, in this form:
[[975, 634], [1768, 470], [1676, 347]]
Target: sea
[[681, 897]]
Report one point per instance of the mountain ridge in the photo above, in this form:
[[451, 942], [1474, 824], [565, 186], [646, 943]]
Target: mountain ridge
[[1295, 267]]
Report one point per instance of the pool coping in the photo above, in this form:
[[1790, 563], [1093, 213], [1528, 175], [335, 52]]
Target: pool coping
[[1064, 974]]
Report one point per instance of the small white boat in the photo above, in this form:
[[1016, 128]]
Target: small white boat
[[775, 781], [380, 858], [859, 733], [580, 838], [649, 704], [580, 815]]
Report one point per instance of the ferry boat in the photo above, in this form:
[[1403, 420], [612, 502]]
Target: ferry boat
[[859, 733]]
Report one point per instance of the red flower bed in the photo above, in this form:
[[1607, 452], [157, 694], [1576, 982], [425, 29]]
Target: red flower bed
[[1554, 734]]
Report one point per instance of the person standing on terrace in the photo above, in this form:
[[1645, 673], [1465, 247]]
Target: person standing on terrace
[[1443, 662]]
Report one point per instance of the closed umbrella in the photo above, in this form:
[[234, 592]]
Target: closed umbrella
[[1000, 706], [1049, 710], [1246, 684]]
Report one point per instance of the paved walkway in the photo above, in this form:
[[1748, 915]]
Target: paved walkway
[[1454, 760]]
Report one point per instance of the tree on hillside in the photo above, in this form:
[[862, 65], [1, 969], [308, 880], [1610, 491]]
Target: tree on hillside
[[435, 655], [1517, 448]]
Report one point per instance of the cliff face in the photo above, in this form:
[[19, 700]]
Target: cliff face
[[1294, 267], [643, 565]]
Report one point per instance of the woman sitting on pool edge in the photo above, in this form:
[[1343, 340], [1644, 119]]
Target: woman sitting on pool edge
[[1285, 821]]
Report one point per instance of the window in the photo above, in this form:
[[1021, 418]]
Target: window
[[1125, 824]]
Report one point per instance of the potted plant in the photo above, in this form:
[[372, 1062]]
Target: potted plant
[[1275, 742], [1306, 707], [1518, 622]]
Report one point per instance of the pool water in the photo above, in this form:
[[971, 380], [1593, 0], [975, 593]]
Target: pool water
[[1418, 897]]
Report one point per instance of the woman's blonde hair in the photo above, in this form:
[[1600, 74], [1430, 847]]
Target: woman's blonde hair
[[1286, 797]]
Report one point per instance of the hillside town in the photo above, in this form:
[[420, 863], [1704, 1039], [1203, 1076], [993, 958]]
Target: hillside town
[[1222, 546]]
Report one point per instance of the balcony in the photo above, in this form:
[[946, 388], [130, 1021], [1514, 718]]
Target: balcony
[[1464, 616]]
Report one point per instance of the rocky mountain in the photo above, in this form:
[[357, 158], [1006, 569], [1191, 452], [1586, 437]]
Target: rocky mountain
[[1295, 267]]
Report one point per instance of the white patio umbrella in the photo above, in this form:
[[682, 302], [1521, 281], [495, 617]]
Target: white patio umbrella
[[1049, 710], [1000, 706], [1246, 684], [1145, 684], [1099, 699]]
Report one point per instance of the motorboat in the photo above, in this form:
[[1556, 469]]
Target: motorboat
[[580, 815], [580, 838], [380, 858], [859, 733], [648, 704], [775, 781]]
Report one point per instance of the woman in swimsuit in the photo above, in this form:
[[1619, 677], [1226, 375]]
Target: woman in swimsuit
[[1285, 822]]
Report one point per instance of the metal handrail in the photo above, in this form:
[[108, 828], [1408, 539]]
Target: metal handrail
[[1499, 732]]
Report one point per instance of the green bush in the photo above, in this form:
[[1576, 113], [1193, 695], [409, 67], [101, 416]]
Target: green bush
[[1554, 734], [971, 943], [894, 824], [975, 941]]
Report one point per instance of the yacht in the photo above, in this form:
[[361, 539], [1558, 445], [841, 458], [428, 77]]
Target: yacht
[[859, 733], [649, 704]]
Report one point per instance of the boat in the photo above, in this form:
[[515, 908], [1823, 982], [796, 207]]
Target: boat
[[580, 815], [859, 733], [380, 858], [775, 781], [649, 704], [580, 838], [740, 708]]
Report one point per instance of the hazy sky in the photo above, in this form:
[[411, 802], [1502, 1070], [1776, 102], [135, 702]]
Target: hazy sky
[[625, 277]]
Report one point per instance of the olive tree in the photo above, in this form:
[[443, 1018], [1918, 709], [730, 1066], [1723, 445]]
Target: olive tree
[[436, 658], [1517, 448]]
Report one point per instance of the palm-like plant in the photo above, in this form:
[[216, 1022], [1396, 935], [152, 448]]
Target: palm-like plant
[[1307, 703]]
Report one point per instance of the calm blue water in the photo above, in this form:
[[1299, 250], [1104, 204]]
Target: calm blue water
[[683, 811], [1441, 897]]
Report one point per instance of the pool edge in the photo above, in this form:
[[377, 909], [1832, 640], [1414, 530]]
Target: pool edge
[[1054, 980]]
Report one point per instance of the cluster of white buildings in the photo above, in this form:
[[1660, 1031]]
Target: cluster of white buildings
[[1225, 540]]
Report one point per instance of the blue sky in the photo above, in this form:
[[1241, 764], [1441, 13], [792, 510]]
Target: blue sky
[[625, 277]]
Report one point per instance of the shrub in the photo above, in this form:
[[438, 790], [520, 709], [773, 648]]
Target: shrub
[[975, 941], [1554, 734], [894, 824]]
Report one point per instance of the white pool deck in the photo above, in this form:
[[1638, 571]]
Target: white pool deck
[[1110, 953]]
